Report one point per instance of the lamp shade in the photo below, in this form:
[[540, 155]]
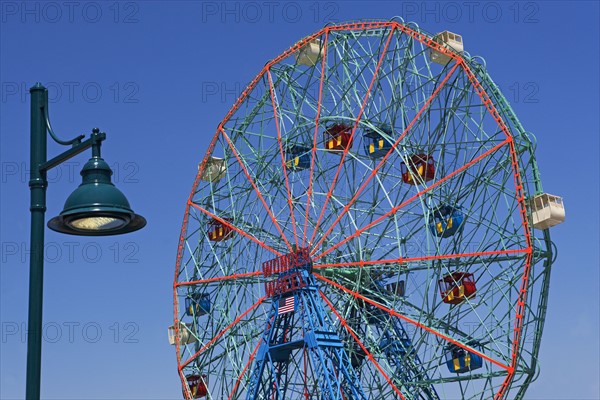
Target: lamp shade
[[97, 207]]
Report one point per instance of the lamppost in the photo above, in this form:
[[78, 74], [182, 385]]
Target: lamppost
[[95, 208]]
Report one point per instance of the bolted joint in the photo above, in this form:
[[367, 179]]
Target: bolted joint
[[37, 207], [97, 137], [38, 183]]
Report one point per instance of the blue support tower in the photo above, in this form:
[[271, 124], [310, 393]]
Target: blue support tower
[[298, 323], [400, 353]]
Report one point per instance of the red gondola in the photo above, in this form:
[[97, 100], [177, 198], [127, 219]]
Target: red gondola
[[218, 231], [197, 385], [456, 287], [421, 168], [338, 137]]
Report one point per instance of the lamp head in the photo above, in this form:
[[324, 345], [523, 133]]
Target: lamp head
[[96, 207]]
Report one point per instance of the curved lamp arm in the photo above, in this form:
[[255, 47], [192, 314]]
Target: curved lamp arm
[[73, 141]]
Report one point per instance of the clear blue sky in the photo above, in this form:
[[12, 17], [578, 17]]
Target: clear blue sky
[[159, 76]]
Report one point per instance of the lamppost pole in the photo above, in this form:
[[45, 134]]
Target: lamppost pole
[[37, 185]]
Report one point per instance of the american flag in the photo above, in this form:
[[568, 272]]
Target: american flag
[[286, 305]]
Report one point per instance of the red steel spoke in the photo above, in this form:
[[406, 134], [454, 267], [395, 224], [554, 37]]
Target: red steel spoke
[[423, 258], [235, 228], [219, 279], [343, 157], [283, 164], [314, 146], [415, 323], [400, 206], [256, 189], [382, 162], [223, 331], [357, 340]]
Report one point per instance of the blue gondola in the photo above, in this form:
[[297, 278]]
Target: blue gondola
[[197, 304], [392, 347], [397, 288], [446, 220], [460, 360], [377, 145], [297, 158]]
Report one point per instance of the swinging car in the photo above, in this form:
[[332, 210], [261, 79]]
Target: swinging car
[[456, 287], [185, 334], [197, 304], [449, 40], [197, 386], [397, 287], [395, 348], [421, 168], [547, 211], [376, 145], [214, 170], [338, 137], [218, 231], [460, 360], [297, 158], [446, 220], [310, 53]]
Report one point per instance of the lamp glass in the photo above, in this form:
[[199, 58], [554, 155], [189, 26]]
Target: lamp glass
[[100, 223]]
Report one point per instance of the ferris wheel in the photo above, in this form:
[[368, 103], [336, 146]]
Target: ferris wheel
[[362, 227]]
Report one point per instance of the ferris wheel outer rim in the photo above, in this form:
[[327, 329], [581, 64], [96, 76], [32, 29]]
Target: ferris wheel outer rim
[[429, 42]]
